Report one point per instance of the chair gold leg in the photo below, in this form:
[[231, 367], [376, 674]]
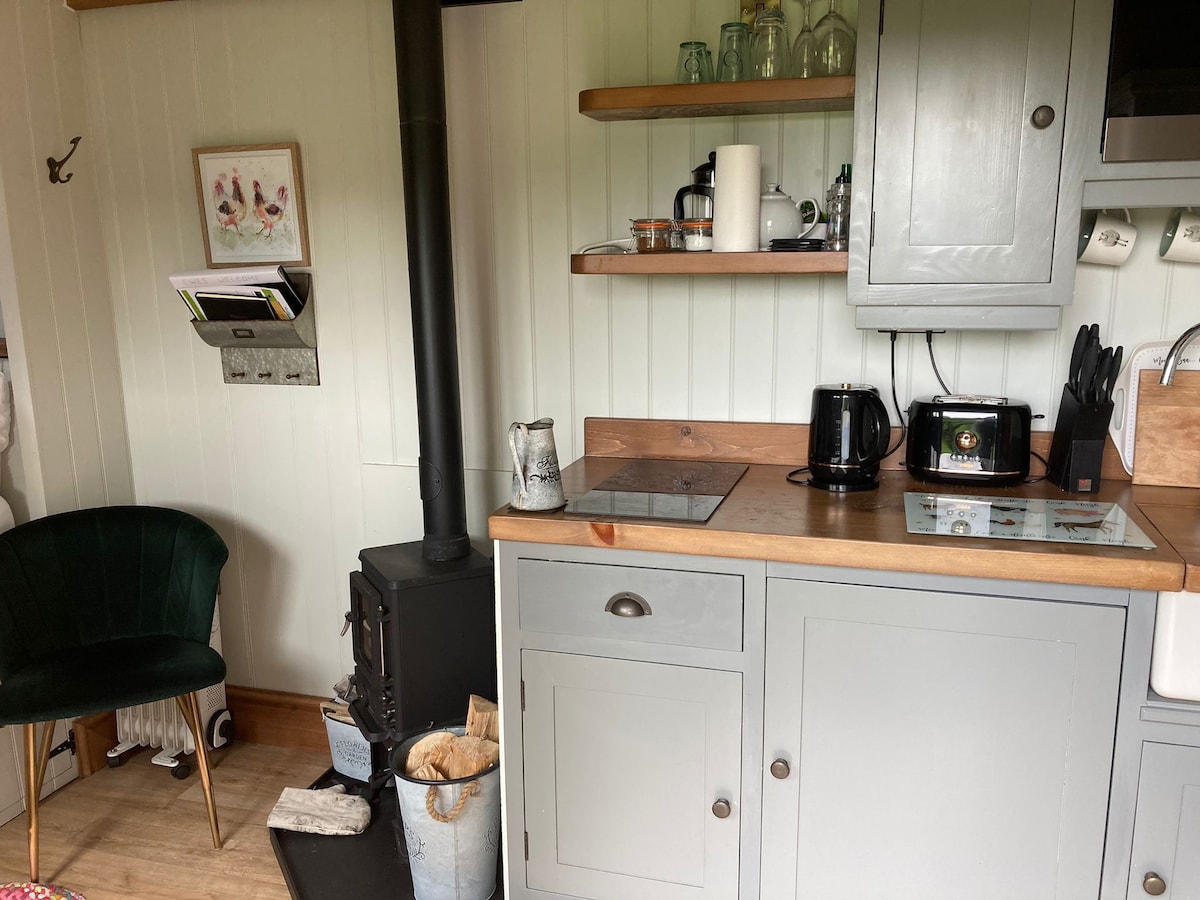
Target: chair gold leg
[[36, 760], [191, 714], [32, 789]]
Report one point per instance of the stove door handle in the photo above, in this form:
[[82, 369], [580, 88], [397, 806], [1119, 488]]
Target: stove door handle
[[628, 605]]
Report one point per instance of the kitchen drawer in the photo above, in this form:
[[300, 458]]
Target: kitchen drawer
[[691, 609]]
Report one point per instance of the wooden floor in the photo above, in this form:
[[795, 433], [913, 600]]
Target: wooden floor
[[136, 833]]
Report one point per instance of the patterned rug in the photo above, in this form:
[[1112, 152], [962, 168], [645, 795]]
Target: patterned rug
[[27, 890]]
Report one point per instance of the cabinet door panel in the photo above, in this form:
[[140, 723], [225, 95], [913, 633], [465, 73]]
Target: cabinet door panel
[[965, 186], [1166, 836], [623, 762], [941, 745]]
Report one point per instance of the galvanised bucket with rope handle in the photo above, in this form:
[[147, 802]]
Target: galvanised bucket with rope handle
[[452, 829]]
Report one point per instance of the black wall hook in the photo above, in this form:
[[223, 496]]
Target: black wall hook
[[56, 165]]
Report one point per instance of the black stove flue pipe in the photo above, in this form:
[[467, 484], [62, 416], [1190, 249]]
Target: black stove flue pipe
[[422, 89]]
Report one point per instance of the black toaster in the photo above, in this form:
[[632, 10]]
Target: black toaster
[[966, 439]]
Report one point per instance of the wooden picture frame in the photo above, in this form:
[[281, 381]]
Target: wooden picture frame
[[251, 200]]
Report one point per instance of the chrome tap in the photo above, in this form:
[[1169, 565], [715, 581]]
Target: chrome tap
[[1175, 352]]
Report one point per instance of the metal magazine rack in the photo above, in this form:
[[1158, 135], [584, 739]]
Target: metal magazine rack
[[268, 351]]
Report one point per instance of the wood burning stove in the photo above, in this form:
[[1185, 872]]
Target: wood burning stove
[[424, 636]]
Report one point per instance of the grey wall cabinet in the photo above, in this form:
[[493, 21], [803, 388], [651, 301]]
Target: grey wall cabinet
[[1166, 837], [936, 745], [963, 215]]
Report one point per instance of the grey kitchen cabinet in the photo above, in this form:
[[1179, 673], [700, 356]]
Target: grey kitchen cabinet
[[633, 774], [639, 724], [1166, 837], [964, 213], [927, 744]]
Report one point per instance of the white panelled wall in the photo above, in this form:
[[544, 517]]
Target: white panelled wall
[[299, 479]]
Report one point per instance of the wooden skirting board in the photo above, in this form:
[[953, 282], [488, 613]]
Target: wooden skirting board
[[277, 718]]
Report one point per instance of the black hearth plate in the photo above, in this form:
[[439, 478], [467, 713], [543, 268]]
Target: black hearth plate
[[318, 866]]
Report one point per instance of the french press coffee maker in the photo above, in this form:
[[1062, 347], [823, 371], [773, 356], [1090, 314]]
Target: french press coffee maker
[[700, 190]]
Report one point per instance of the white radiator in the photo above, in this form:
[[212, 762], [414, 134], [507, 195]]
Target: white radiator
[[161, 724]]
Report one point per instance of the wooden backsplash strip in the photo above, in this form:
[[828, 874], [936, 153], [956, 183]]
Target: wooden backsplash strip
[[766, 443]]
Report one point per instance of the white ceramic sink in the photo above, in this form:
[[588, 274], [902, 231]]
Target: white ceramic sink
[[1175, 663]]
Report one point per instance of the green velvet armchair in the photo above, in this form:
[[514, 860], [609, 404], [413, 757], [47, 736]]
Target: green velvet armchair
[[102, 609]]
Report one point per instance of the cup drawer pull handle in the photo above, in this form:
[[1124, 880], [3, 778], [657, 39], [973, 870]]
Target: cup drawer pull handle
[[628, 605]]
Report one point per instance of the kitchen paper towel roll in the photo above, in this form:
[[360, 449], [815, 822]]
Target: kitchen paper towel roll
[[736, 192]]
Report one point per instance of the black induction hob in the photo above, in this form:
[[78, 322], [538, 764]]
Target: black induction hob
[[668, 489]]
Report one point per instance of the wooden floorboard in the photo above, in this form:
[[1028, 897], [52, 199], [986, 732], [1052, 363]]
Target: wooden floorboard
[[136, 833]]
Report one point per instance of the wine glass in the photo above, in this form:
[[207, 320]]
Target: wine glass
[[834, 40], [804, 51]]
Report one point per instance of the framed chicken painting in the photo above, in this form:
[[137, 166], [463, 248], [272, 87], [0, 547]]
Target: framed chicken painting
[[251, 205]]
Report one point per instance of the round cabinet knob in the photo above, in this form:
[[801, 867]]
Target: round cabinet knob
[[780, 769], [1153, 884], [721, 809], [1042, 117]]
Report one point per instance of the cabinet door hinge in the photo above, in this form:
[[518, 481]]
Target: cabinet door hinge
[[67, 745], [527, 846], [522, 695]]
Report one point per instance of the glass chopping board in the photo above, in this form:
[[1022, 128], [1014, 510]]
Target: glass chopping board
[[677, 490], [1012, 518]]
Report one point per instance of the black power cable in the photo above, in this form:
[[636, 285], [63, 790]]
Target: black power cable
[[933, 362]]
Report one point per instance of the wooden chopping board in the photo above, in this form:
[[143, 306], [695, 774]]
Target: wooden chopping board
[[1166, 438]]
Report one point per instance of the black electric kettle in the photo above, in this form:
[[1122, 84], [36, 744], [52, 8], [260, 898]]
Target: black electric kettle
[[847, 437], [703, 179]]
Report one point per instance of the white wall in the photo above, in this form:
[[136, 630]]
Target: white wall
[[69, 415], [299, 479]]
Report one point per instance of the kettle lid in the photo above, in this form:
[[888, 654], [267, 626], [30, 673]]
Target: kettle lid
[[846, 387]]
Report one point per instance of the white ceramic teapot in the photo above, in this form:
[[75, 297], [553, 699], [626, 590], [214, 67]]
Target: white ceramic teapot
[[780, 217]]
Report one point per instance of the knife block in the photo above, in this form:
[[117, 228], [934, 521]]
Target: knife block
[[1077, 448]]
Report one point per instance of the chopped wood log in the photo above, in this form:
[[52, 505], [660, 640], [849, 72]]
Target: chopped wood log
[[483, 718], [468, 756], [429, 749]]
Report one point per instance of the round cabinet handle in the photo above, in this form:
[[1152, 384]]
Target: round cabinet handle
[[721, 809], [780, 769], [1042, 117], [628, 605], [1153, 884]]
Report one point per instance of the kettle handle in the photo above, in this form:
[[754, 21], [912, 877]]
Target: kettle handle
[[811, 226], [880, 422]]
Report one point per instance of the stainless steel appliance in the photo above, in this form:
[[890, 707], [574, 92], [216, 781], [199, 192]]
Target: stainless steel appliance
[[966, 439], [848, 435], [1153, 104]]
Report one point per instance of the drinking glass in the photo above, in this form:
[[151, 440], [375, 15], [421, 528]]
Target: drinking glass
[[770, 51], [695, 63], [733, 52], [834, 40], [804, 50]]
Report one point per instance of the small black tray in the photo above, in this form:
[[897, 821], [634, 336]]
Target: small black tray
[[371, 864]]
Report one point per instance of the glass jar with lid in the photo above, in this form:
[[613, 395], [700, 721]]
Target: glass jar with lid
[[696, 234], [653, 235]]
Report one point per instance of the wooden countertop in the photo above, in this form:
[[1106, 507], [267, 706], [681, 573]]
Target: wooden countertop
[[765, 517]]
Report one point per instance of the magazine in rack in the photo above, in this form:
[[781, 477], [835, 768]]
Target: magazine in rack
[[252, 293]]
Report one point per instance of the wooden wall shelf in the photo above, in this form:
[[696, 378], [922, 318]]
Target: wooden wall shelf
[[684, 263], [675, 101], [3, 349]]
